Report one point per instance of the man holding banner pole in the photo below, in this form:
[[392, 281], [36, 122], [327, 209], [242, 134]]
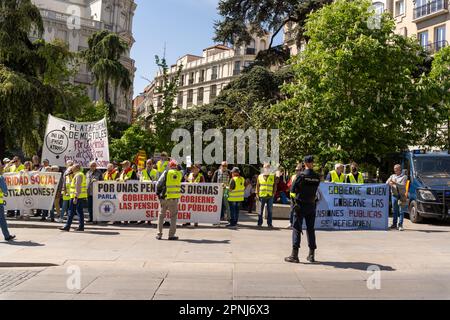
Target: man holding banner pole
[[305, 188]]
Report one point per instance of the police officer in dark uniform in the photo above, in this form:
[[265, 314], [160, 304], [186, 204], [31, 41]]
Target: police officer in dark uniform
[[305, 187]]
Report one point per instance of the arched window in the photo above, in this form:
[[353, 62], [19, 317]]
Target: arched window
[[378, 7]]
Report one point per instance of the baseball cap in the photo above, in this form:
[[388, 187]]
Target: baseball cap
[[235, 170], [6, 160]]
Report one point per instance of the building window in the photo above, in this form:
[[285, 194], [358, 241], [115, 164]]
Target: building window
[[378, 7], [237, 68], [200, 94], [400, 8], [214, 74], [213, 93], [180, 99], [182, 80], [192, 78], [251, 49], [190, 97], [423, 39], [439, 38], [263, 45], [160, 102], [426, 7], [202, 76]]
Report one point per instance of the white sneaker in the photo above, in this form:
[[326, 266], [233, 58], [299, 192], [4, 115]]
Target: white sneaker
[[401, 229]]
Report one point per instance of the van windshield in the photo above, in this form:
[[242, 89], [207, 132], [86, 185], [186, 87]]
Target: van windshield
[[433, 167]]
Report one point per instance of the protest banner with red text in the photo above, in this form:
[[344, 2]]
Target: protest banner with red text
[[31, 190], [137, 201]]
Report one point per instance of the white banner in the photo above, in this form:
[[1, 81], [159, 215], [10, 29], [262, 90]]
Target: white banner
[[31, 190], [80, 142], [353, 207], [137, 201]]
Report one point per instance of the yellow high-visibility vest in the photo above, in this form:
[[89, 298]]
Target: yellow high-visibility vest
[[237, 195], [337, 179], [161, 167], [126, 177], [110, 176], [1, 198], [173, 184], [293, 178], [152, 177], [83, 194], [68, 187], [266, 187], [15, 169], [353, 180], [196, 180]]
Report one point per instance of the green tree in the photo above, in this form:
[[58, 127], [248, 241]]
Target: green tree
[[103, 59], [244, 18], [163, 119], [132, 141], [358, 92], [33, 78]]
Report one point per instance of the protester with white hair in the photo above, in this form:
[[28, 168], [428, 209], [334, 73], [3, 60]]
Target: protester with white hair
[[337, 175]]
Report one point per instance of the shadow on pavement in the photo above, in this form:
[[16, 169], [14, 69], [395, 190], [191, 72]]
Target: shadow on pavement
[[26, 265], [24, 244], [363, 266], [102, 233], [205, 241]]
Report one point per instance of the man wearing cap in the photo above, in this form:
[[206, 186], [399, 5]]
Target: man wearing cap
[[235, 196], [195, 177], [266, 188], [45, 166], [162, 164], [168, 190], [299, 169], [127, 172], [78, 195], [305, 188], [92, 176], [66, 189]]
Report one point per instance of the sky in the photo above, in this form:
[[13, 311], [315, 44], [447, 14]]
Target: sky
[[184, 26]]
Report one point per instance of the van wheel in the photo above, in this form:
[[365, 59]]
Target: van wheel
[[414, 215]]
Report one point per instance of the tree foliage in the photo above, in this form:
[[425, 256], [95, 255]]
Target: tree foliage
[[103, 59], [358, 92], [131, 142]]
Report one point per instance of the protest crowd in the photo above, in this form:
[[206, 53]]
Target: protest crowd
[[74, 193]]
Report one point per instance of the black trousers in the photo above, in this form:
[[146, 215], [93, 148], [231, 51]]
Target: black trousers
[[304, 212]]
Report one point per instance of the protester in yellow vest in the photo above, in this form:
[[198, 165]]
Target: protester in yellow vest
[[127, 172], [195, 177], [149, 173], [163, 163], [168, 190], [65, 192], [110, 174], [3, 224], [354, 177], [266, 188], [17, 165], [78, 195], [235, 196], [337, 175]]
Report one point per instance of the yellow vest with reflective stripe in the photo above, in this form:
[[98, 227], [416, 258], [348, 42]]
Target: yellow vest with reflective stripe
[[83, 194], [237, 195], [162, 166], [128, 176], [266, 186], [152, 177], [17, 169], [173, 184], [337, 179], [1, 198], [196, 180], [68, 187], [353, 180], [292, 194]]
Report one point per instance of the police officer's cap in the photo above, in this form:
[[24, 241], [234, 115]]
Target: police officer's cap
[[309, 159]]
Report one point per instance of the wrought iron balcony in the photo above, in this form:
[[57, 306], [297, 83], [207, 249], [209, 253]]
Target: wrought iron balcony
[[436, 46], [430, 8]]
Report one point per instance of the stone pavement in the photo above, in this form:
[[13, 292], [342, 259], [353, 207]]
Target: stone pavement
[[127, 262]]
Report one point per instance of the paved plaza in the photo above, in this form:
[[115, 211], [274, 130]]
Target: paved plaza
[[127, 262]]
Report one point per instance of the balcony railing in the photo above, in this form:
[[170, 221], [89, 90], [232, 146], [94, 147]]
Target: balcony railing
[[250, 51], [430, 8], [191, 81], [58, 16], [436, 46], [214, 76]]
